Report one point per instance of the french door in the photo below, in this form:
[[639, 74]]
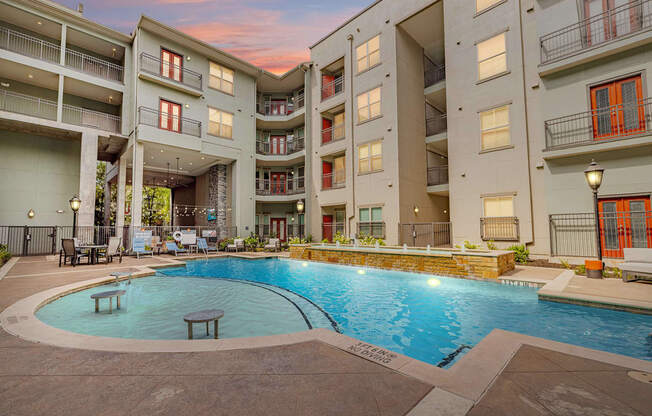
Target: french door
[[624, 222], [279, 228], [278, 183], [617, 108], [169, 116], [277, 107], [327, 175], [171, 65], [326, 130], [278, 145], [617, 19]]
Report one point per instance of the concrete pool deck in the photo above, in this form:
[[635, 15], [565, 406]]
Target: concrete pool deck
[[314, 372]]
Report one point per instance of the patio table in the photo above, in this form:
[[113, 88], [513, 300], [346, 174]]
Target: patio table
[[94, 248]]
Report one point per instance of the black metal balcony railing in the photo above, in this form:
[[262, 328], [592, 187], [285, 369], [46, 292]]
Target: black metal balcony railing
[[28, 45], [285, 186], [432, 72], [153, 65], [499, 228], [264, 231], [595, 126], [596, 30], [25, 104], [375, 229], [332, 88], [280, 107], [333, 180], [89, 118], [437, 175], [155, 118], [329, 230], [436, 124], [332, 134], [574, 234], [94, 66], [287, 148]]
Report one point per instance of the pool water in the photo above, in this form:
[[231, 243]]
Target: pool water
[[423, 316]]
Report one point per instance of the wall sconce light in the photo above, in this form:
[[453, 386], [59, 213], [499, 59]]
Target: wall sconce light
[[187, 105], [188, 58], [31, 213], [416, 209]]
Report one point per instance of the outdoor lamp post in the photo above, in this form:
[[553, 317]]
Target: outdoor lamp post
[[75, 204], [593, 176], [300, 208]]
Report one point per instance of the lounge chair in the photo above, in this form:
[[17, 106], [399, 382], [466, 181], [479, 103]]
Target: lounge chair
[[112, 250], [203, 246], [274, 244], [139, 247], [238, 244], [70, 251], [637, 265], [171, 247]]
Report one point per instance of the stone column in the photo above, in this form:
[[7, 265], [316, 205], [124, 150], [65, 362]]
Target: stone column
[[137, 185], [122, 194], [217, 198], [87, 177]]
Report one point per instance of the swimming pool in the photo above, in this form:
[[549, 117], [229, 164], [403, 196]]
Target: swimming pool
[[425, 317]]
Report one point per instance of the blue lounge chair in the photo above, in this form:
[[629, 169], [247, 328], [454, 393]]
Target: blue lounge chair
[[203, 246], [139, 247], [171, 246]]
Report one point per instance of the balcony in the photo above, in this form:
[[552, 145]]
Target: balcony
[[332, 88], [600, 125], [154, 66], [436, 124], [89, 118], [29, 45], [287, 148], [499, 228], [28, 105], [437, 175], [293, 186], [335, 180], [329, 230], [94, 66], [154, 118], [332, 134], [432, 72], [596, 30], [280, 108], [374, 229]]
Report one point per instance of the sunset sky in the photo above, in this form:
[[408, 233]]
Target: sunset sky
[[273, 34]]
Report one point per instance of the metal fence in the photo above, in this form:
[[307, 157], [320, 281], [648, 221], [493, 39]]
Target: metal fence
[[182, 125], [597, 125], [499, 228], [437, 175], [28, 45], [90, 118], [374, 228], [94, 66], [329, 230], [287, 186], [434, 234], [333, 180], [25, 104], [432, 72], [153, 65], [574, 234], [435, 120], [281, 108], [291, 146], [332, 88], [617, 22]]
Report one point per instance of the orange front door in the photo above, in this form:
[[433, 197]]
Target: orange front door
[[624, 222]]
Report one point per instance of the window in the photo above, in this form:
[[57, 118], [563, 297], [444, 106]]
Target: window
[[221, 78], [369, 105], [220, 123], [481, 5], [368, 54], [371, 222], [492, 57], [171, 65], [370, 157], [495, 127], [338, 126], [617, 108], [498, 206], [170, 116]]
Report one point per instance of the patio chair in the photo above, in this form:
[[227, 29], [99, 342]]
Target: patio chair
[[637, 265], [69, 251], [203, 246], [238, 244], [171, 247], [156, 243], [112, 250], [274, 244], [139, 247]]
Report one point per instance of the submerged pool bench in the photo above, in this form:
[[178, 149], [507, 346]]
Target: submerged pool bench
[[107, 295]]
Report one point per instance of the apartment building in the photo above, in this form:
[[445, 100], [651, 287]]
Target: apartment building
[[419, 121]]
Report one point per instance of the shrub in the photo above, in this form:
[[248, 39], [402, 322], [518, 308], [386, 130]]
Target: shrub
[[469, 246], [308, 238], [565, 264], [491, 245], [251, 242], [297, 240], [340, 238], [521, 253], [5, 255], [325, 240], [369, 240], [581, 269], [223, 243], [169, 238]]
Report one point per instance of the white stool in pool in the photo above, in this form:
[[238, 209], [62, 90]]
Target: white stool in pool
[[207, 316]]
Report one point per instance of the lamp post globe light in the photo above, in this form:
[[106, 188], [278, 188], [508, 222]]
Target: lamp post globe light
[[75, 204], [300, 207], [594, 174]]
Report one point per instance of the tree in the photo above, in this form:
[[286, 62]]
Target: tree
[[99, 192]]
